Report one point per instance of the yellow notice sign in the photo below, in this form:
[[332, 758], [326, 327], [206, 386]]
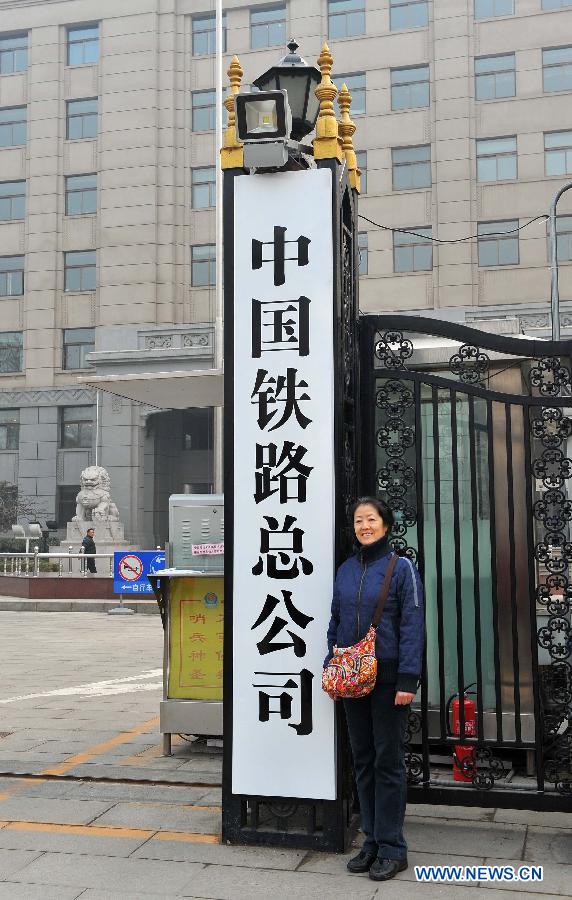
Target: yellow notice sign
[[195, 640]]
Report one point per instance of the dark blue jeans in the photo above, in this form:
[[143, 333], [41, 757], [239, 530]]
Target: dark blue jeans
[[377, 736]]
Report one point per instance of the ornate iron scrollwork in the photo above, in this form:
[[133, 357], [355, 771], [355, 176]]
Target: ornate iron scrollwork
[[553, 550], [393, 350], [550, 376], [482, 767], [413, 760], [469, 364]]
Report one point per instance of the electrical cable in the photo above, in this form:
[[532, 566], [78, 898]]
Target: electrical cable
[[472, 237]]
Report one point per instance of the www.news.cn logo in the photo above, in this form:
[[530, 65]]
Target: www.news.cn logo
[[478, 873]]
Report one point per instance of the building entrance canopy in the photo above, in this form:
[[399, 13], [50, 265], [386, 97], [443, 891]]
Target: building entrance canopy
[[165, 390]]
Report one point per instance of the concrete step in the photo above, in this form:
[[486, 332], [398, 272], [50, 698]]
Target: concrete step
[[19, 604]]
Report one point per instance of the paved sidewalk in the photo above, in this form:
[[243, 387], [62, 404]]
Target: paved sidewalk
[[89, 808]]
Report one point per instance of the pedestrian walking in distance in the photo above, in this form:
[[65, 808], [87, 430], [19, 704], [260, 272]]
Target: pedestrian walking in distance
[[88, 547], [377, 722]]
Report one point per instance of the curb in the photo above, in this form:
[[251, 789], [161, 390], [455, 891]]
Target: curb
[[18, 604]]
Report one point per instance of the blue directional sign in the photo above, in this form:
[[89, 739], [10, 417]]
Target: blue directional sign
[[131, 568]]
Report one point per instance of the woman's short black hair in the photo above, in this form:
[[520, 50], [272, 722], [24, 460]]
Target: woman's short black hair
[[380, 506]]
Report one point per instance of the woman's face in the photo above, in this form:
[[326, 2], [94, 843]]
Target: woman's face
[[368, 524]]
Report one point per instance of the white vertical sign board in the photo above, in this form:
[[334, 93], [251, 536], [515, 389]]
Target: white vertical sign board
[[283, 542]]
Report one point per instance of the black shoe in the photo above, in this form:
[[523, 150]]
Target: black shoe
[[384, 869], [362, 862]]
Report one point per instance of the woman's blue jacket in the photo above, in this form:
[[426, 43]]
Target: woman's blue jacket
[[401, 633]]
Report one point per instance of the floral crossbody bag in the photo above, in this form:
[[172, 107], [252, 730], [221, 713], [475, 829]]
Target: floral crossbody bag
[[352, 671]]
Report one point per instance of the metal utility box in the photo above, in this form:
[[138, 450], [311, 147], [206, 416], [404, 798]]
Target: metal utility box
[[191, 597], [196, 523]]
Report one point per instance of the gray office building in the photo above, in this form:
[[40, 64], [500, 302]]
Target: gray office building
[[107, 218]]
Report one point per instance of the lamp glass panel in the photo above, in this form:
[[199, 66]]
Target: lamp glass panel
[[295, 86], [261, 117]]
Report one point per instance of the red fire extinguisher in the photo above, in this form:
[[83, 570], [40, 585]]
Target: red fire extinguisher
[[463, 754]]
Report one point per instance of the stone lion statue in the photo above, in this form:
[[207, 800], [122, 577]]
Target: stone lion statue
[[94, 503]]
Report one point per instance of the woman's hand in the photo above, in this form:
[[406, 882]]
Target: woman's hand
[[402, 698]]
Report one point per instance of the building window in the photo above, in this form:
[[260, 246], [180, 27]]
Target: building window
[[267, 27], [83, 44], [558, 152], [557, 69], [81, 119], [10, 351], [203, 187], [76, 427], [9, 429], [487, 9], [203, 110], [412, 252], [361, 157], [11, 276], [563, 238], [411, 167], [362, 252], [495, 77], [496, 159], [13, 126], [408, 14], [346, 18], [410, 87], [497, 247], [66, 503], [13, 52], [81, 195], [355, 83], [203, 265], [79, 270], [12, 200], [555, 4], [204, 35], [198, 427], [78, 342]]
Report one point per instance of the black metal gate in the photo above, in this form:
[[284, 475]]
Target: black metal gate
[[468, 436]]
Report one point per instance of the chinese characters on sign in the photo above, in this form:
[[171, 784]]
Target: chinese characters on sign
[[283, 730]]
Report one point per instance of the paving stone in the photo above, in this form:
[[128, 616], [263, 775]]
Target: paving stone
[[489, 838], [250, 857], [557, 879], [64, 812], [548, 845], [11, 861], [120, 875], [59, 842], [12, 891], [141, 792], [113, 895], [231, 883], [428, 810], [533, 817], [163, 817]]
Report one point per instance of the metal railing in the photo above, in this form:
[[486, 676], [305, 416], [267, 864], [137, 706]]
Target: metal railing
[[28, 564]]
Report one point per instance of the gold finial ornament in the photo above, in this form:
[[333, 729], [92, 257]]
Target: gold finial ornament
[[327, 143], [232, 150], [347, 130]]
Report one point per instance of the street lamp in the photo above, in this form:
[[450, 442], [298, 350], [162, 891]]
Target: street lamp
[[299, 80], [272, 121]]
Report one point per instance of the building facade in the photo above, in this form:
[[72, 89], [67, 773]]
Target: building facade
[[107, 206]]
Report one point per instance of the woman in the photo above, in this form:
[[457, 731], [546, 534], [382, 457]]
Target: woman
[[377, 722]]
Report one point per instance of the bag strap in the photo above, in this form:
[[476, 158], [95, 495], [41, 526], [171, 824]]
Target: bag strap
[[384, 590]]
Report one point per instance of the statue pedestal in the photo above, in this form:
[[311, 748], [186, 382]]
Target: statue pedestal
[[109, 537]]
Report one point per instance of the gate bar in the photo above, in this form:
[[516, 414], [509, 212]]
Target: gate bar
[[457, 540], [512, 564], [476, 564], [493, 529], [439, 559], [421, 563], [539, 763]]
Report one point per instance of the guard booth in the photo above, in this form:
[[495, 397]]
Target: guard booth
[[190, 594]]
